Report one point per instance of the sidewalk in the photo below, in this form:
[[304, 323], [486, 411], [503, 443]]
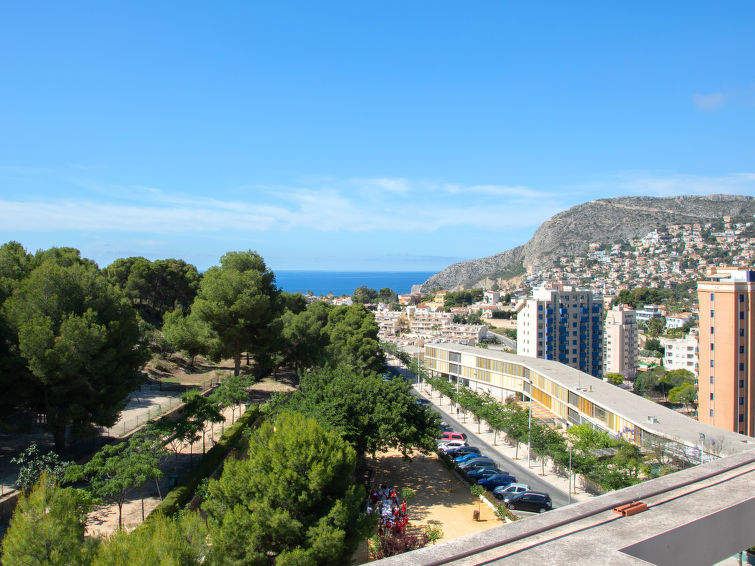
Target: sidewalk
[[446, 408]]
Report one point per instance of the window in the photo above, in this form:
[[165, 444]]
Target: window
[[741, 367], [574, 360], [741, 418], [573, 342], [712, 330], [742, 383], [712, 380], [712, 313], [712, 297], [711, 412], [712, 363], [741, 298], [741, 400], [741, 349], [711, 346], [741, 331], [711, 396], [741, 315]]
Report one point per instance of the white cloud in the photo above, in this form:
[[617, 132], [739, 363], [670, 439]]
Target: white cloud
[[335, 206], [639, 183], [709, 102]]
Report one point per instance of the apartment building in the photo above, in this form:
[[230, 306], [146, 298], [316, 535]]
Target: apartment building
[[681, 353], [726, 397], [563, 324], [621, 342]]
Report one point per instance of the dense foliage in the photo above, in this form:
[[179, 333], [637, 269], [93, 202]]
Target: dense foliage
[[80, 343], [290, 501]]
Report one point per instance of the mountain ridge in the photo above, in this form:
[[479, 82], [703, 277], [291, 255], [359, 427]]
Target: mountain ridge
[[569, 233]]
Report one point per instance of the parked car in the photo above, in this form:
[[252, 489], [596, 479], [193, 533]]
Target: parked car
[[479, 473], [477, 463], [451, 435], [467, 452], [464, 451], [471, 457], [535, 501], [421, 401], [503, 490], [491, 482], [444, 427], [452, 445]]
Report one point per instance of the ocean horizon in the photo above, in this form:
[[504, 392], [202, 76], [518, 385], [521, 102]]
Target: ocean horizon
[[344, 282]]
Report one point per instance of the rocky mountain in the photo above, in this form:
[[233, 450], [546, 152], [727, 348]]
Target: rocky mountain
[[569, 234]]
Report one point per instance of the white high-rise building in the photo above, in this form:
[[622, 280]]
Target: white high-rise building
[[621, 341], [563, 324]]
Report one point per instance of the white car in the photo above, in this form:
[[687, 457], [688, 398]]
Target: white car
[[504, 490], [451, 445]]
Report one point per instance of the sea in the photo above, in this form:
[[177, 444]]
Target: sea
[[344, 282]]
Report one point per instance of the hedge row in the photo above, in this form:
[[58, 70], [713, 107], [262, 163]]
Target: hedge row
[[188, 483]]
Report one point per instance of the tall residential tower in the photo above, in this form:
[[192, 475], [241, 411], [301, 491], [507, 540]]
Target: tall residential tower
[[726, 397], [563, 324]]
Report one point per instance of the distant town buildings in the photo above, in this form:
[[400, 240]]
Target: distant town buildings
[[727, 350], [563, 324], [621, 341]]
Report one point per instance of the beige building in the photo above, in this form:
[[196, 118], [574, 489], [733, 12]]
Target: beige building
[[727, 350], [621, 341]]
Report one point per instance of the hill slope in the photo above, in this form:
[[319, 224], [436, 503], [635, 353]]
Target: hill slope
[[569, 233]]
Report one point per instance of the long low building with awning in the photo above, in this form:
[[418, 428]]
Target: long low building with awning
[[577, 398]]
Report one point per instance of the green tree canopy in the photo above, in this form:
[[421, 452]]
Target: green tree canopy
[[364, 295], [80, 340], [291, 501], [304, 337], [114, 470], [161, 540], [354, 339], [684, 394], [188, 334], [239, 301], [368, 412], [155, 287], [615, 378], [47, 528]]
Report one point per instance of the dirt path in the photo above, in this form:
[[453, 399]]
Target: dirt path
[[441, 497], [104, 520]]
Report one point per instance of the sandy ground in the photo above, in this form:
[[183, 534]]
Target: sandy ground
[[441, 497]]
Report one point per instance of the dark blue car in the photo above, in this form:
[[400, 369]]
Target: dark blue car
[[494, 481], [479, 473]]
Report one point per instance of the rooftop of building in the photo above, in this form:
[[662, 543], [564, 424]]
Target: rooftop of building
[[652, 417]]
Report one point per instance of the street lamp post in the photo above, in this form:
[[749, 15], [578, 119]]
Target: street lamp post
[[529, 427], [570, 476]]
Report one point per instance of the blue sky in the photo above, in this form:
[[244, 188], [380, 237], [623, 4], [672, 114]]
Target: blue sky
[[355, 135]]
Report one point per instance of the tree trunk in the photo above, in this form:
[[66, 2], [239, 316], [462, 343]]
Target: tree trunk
[[120, 509], [59, 434], [237, 363]]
